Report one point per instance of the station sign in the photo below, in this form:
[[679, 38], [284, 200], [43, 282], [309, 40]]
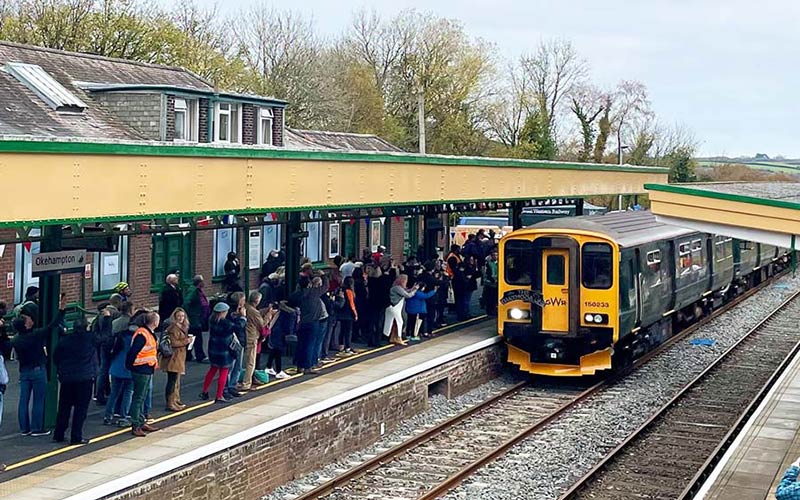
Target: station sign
[[66, 261]]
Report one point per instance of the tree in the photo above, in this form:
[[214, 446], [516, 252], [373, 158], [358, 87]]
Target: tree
[[554, 69], [630, 104], [681, 165], [510, 106], [587, 104], [286, 56], [604, 131], [537, 140]]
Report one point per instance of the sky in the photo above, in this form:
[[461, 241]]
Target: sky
[[725, 69]]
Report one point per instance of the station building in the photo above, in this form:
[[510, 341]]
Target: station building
[[52, 94]]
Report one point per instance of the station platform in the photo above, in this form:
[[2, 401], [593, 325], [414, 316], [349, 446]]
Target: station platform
[[768, 444], [94, 471]]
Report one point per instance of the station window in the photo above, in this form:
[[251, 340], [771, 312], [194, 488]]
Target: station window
[[265, 117], [224, 243], [519, 261], [597, 266], [186, 120], [312, 246], [227, 122], [110, 267], [555, 270], [23, 267]]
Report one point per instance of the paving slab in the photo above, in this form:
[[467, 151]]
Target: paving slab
[[101, 466]]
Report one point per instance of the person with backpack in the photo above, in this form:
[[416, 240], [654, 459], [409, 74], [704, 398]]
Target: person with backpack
[[172, 360], [119, 402], [77, 368], [101, 329], [29, 306]]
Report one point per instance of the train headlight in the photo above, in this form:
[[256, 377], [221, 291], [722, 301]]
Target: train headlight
[[517, 313], [589, 318], [598, 318]]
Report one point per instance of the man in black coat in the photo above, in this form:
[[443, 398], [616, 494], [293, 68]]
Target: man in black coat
[[171, 298], [76, 364]]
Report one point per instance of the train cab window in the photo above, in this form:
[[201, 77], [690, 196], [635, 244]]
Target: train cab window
[[519, 263], [597, 266], [555, 270]]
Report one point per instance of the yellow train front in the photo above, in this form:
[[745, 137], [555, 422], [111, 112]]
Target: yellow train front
[[579, 295], [558, 300]]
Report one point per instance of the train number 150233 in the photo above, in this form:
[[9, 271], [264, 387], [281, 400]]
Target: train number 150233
[[595, 304]]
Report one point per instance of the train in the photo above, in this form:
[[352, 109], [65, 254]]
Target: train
[[585, 295]]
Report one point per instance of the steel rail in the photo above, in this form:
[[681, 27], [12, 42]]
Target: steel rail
[[454, 480], [586, 478]]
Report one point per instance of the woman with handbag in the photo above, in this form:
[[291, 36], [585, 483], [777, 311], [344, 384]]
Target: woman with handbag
[[393, 316], [172, 357], [223, 347]]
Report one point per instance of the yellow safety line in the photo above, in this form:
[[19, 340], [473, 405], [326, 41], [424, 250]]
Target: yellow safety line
[[188, 409]]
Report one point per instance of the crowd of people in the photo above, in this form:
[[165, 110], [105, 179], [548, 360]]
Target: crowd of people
[[113, 358]]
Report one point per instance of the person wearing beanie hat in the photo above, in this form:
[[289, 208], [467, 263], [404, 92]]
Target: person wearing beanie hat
[[222, 344]]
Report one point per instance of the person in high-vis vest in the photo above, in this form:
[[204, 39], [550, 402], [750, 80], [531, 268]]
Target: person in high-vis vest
[[141, 361]]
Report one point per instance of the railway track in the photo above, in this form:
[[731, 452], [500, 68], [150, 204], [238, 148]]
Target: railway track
[[671, 454], [437, 460]]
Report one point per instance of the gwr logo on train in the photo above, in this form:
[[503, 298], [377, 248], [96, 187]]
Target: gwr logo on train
[[554, 301]]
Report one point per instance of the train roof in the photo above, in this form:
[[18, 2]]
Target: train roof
[[627, 229]]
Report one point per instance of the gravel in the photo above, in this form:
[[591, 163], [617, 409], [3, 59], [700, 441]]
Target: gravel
[[439, 410], [545, 465]]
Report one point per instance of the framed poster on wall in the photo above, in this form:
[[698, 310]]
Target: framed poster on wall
[[333, 240], [375, 234]]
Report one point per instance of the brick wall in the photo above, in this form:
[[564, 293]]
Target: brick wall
[[249, 129], [142, 111], [204, 119], [259, 466], [277, 126], [169, 132]]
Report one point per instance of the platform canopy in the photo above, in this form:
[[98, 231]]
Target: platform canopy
[[51, 182], [768, 212]]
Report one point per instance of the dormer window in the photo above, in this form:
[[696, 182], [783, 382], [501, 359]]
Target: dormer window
[[265, 117], [186, 121], [227, 122]]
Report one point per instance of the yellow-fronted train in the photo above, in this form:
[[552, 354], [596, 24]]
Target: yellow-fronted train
[[584, 294]]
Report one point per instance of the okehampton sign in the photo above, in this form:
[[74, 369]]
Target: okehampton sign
[[66, 261]]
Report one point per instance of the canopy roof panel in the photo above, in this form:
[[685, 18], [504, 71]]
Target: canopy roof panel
[[762, 211], [91, 181]]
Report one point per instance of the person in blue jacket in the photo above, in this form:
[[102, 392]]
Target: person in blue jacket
[[416, 307], [121, 380], [789, 487]]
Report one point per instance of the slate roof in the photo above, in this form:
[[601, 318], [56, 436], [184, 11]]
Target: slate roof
[[339, 141], [23, 113]]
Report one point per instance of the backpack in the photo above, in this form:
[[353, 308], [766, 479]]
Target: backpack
[[18, 310], [164, 346], [102, 336]]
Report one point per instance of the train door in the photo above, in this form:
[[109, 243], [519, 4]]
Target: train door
[[555, 289]]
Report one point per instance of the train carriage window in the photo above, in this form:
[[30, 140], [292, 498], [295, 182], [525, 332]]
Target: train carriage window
[[654, 260], [722, 248], [653, 276], [685, 258], [555, 270], [597, 266], [519, 263]]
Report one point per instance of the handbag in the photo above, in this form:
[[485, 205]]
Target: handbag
[[235, 346], [451, 297], [165, 346], [3, 372]]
